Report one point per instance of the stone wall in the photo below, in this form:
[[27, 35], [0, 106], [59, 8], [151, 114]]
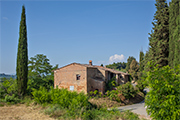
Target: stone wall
[[95, 80], [66, 77]]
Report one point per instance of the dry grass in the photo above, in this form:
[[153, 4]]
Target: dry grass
[[22, 112], [106, 102]]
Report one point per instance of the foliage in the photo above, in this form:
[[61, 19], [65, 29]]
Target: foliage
[[134, 69], [129, 60], [111, 83], [113, 95], [141, 64], [89, 114], [147, 58], [42, 95], [163, 100], [11, 99], [64, 104], [159, 37], [118, 65], [174, 33], [141, 85], [40, 73], [22, 57], [127, 90], [62, 97], [8, 87]]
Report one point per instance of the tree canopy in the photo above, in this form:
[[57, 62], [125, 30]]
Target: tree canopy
[[159, 36], [40, 72]]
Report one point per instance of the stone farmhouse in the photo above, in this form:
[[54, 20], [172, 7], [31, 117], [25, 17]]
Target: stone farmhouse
[[86, 77]]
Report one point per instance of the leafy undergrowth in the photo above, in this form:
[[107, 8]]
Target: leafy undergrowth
[[57, 112], [64, 104], [106, 102]]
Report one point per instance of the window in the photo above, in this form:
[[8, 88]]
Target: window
[[78, 77], [72, 88], [120, 76]]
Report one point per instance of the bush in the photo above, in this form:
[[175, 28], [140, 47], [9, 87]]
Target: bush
[[11, 99], [8, 87], [141, 85], [62, 97], [113, 95], [127, 90], [41, 96], [163, 100], [111, 83]]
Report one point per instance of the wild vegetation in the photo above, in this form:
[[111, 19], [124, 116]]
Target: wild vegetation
[[163, 100], [35, 83], [35, 78]]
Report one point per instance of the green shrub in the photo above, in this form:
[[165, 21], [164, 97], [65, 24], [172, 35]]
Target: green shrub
[[113, 95], [127, 90], [111, 83], [163, 100], [41, 96], [141, 85], [11, 99], [95, 92], [8, 87], [71, 105], [62, 97]]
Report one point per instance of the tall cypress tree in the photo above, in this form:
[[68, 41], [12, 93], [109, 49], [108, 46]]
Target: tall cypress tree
[[141, 64], [141, 61], [159, 37], [22, 56], [174, 33]]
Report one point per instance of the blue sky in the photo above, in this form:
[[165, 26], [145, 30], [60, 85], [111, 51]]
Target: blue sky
[[103, 31]]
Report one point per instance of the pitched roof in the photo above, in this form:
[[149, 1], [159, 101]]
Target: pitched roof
[[95, 66], [112, 70]]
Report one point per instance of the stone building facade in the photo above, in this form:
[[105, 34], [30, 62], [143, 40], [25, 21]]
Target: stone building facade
[[86, 77]]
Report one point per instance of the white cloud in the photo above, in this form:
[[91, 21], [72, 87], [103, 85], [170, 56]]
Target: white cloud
[[116, 58], [5, 18]]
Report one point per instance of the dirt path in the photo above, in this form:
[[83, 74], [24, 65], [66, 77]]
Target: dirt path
[[22, 112]]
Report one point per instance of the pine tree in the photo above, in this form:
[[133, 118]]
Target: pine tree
[[159, 37], [22, 56], [174, 33]]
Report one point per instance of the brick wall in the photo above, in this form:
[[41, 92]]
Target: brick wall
[[93, 74], [66, 78]]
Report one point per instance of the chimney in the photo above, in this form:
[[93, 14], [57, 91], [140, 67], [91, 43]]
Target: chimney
[[90, 62]]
